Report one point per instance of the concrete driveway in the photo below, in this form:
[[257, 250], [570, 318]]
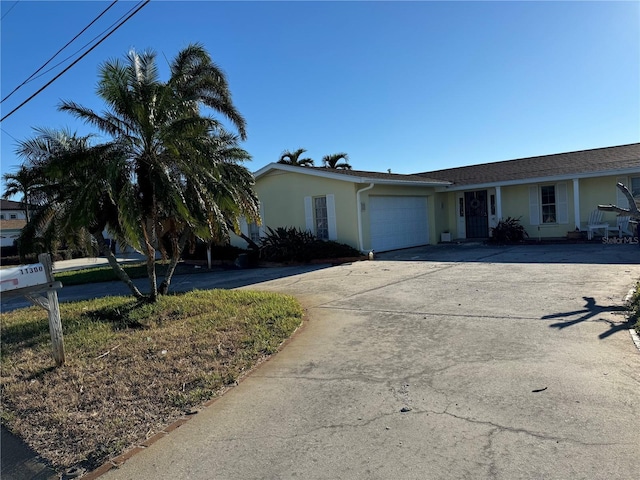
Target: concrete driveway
[[487, 363], [466, 362]]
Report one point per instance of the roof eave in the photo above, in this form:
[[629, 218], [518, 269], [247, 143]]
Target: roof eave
[[551, 178], [345, 178]]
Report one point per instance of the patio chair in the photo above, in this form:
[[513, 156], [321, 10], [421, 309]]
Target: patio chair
[[622, 226], [595, 223]]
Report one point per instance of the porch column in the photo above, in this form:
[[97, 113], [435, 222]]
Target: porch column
[[576, 202], [498, 203]]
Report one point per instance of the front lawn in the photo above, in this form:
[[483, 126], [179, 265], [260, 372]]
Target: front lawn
[[131, 368]]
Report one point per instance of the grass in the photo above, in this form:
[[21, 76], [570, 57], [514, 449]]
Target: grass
[[131, 368]]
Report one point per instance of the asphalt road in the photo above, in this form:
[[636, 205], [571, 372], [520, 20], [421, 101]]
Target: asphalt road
[[440, 363]]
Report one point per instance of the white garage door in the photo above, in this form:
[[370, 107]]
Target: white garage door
[[398, 222]]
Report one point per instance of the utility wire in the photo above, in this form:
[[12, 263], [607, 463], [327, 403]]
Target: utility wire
[[56, 54], [7, 133], [10, 8], [73, 63], [81, 48]]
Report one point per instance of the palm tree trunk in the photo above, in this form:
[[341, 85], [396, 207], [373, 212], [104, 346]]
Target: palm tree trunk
[[151, 266], [26, 206], [178, 248], [111, 258]]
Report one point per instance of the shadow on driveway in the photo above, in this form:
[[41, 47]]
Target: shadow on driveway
[[592, 253], [591, 310]]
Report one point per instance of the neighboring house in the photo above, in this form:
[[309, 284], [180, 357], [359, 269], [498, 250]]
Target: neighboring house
[[12, 221], [551, 194]]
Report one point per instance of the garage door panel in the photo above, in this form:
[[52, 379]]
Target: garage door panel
[[398, 222]]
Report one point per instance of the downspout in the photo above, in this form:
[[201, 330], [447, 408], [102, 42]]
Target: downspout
[[359, 207]]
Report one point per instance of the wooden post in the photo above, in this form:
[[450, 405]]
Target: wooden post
[[53, 308]]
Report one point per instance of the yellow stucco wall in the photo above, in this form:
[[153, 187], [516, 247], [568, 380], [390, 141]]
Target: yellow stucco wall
[[282, 197], [445, 214]]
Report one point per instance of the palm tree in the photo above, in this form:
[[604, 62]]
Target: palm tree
[[218, 197], [81, 184], [293, 158], [22, 183], [165, 139], [333, 161]]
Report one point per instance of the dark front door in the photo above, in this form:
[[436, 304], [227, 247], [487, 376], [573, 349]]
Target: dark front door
[[476, 217]]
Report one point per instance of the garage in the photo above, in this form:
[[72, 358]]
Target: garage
[[398, 222]]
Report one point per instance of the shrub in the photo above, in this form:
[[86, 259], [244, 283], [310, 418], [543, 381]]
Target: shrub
[[508, 230], [198, 251], [291, 244], [635, 309]]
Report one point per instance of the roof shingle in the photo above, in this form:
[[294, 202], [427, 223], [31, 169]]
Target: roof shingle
[[381, 176], [607, 159]]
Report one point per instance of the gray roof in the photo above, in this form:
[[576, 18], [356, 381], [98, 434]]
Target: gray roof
[[10, 205], [381, 176], [598, 160]]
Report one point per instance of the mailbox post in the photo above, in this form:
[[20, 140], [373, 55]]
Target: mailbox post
[[31, 282]]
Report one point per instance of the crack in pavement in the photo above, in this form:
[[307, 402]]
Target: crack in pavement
[[494, 429], [490, 454]]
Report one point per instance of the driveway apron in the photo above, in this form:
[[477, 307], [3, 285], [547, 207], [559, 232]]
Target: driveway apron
[[439, 363]]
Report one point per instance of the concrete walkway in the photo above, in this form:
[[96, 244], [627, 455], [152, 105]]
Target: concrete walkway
[[438, 363]]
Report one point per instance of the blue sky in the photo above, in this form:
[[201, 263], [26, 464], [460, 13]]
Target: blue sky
[[406, 86]]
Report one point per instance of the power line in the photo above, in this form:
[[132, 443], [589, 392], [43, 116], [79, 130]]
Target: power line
[[10, 8], [73, 63], [81, 48], [7, 133], [56, 54]]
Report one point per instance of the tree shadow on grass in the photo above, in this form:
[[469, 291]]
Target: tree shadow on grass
[[122, 317], [591, 310], [30, 334]]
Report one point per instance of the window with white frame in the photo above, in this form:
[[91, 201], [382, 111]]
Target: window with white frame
[[321, 218], [548, 203], [13, 216]]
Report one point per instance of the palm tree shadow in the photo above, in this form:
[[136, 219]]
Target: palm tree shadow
[[591, 310]]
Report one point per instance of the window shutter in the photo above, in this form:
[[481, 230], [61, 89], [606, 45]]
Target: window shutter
[[331, 217], [308, 215], [261, 227], [534, 206], [562, 203], [621, 200]]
